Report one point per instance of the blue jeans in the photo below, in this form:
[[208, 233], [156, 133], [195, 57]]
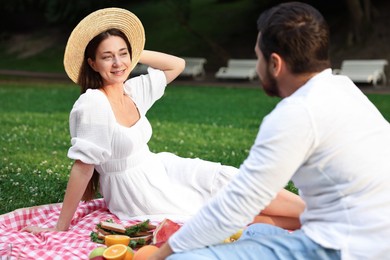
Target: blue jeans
[[262, 241]]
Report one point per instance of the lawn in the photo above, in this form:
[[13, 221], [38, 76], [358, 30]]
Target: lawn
[[212, 123], [216, 124]]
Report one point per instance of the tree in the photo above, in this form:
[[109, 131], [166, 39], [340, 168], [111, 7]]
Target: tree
[[21, 15], [24, 15], [181, 9], [360, 19]]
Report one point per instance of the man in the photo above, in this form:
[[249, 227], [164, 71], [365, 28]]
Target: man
[[325, 136]]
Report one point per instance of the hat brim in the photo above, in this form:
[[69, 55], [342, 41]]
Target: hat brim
[[95, 23]]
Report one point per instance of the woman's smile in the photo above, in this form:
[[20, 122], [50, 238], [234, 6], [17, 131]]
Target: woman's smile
[[112, 60]]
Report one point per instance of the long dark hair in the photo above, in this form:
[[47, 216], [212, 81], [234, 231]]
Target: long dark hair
[[90, 79]]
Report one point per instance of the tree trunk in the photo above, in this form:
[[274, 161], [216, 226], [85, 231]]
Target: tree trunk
[[367, 10], [360, 13]]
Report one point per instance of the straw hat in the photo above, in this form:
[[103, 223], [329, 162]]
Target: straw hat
[[96, 23]]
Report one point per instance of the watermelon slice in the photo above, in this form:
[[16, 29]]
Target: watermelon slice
[[163, 231]]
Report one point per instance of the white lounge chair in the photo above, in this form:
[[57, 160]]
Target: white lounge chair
[[364, 71], [194, 68], [238, 69]]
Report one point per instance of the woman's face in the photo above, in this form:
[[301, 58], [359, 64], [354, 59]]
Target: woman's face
[[112, 60]]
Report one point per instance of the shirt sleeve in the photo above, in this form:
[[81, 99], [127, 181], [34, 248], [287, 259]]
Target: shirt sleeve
[[91, 126], [284, 140], [146, 89]]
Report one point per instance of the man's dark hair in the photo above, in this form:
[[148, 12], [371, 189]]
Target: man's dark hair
[[298, 33]]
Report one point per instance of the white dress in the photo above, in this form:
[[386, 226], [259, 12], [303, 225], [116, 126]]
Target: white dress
[[135, 182]]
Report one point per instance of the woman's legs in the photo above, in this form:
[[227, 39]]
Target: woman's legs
[[283, 211], [207, 178], [287, 203]]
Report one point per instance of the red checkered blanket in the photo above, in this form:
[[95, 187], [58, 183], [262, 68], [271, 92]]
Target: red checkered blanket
[[73, 244]]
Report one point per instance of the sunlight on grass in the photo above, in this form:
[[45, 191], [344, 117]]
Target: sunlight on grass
[[228, 145], [33, 163]]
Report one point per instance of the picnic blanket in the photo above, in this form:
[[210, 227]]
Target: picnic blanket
[[73, 244]]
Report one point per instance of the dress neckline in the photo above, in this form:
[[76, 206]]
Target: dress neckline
[[113, 114]]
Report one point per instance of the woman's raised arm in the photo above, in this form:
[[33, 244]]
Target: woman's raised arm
[[171, 65]]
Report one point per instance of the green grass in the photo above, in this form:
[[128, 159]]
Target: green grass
[[217, 124], [34, 139], [210, 123], [49, 60]]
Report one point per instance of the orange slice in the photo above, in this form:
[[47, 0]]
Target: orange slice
[[115, 252], [110, 240], [129, 254]]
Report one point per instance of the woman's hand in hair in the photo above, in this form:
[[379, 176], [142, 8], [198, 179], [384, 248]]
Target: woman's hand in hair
[[171, 65]]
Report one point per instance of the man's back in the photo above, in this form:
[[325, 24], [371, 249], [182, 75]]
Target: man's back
[[345, 176]]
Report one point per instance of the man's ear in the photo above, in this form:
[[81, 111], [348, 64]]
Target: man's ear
[[91, 63], [275, 64]]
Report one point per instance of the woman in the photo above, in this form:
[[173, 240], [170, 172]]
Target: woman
[[110, 131]]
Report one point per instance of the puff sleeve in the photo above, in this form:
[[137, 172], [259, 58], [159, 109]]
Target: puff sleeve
[[91, 125], [146, 89]]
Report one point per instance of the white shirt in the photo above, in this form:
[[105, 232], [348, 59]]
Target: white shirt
[[335, 145]]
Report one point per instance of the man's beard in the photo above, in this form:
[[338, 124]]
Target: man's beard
[[270, 86]]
